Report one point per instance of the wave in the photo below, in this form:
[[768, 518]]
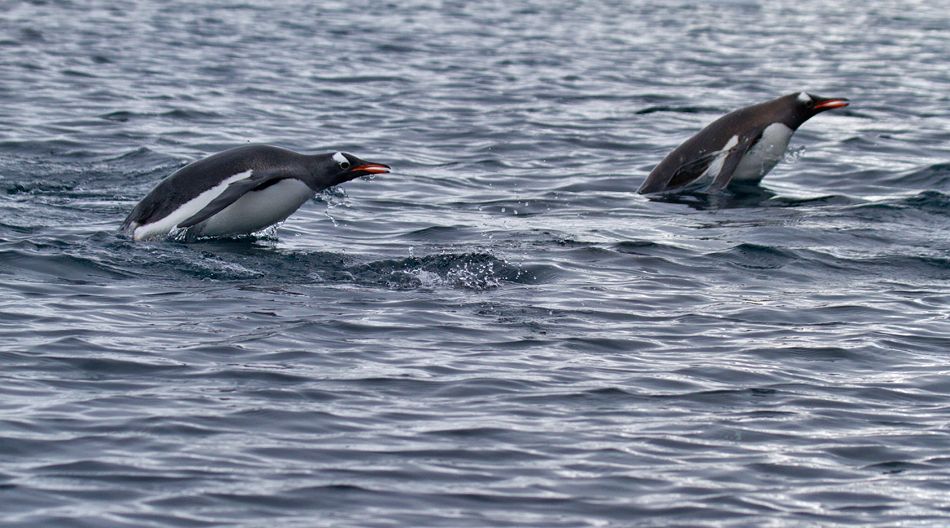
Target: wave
[[256, 259], [935, 176]]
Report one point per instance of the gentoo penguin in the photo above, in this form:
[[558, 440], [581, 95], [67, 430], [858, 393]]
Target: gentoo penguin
[[239, 191], [740, 147]]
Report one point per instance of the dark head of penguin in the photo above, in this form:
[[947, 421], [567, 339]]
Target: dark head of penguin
[[341, 167], [807, 106]]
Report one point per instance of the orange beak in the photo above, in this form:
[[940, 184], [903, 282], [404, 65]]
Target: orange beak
[[372, 168], [832, 103]]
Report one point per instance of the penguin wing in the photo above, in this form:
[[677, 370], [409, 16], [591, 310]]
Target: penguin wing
[[662, 178], [732, 160], [724, 162], [666, 178], [690, 171], [231, 194]]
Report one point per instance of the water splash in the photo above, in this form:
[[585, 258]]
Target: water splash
[[334, 197], [792, 155]]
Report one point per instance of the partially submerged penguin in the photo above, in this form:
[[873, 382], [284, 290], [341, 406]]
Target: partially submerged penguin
[[240, 191], [740, 147]]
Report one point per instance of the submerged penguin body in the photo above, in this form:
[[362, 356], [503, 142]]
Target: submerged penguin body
[[740, 147]]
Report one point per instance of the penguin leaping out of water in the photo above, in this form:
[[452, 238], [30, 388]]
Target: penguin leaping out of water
[[240, 191], [739, 147]]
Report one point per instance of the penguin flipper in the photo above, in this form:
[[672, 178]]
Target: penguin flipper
[[732, 160], [663, 178], [691, 171], [230, 195]]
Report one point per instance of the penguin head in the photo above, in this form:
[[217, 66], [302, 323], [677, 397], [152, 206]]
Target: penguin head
[[804, 106], [339, 167]]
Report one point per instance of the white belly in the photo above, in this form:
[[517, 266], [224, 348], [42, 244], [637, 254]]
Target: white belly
[[764, 155], [257, 209]]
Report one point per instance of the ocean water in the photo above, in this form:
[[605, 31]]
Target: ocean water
[[501, 332]]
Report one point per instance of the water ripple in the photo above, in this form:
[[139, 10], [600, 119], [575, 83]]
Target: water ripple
[[501, 332]]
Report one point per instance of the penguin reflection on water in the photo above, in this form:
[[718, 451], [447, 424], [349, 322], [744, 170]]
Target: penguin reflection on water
[[740, 147], [240, 191]]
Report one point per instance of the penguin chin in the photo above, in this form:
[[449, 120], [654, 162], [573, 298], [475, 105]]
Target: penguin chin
[[346, 176]]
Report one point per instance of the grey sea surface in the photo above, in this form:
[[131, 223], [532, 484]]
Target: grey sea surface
[[501, 332]]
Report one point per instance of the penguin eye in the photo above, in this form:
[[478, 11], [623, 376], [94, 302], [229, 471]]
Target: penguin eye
[[341, 160]]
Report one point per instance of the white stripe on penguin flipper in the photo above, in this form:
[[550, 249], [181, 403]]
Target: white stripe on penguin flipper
[[186, 210], [716, 166], [340, 158]]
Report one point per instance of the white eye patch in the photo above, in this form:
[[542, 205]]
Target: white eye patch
[[803, 97], [340, 158]]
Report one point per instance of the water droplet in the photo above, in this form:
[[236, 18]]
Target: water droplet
[[793, 155]]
